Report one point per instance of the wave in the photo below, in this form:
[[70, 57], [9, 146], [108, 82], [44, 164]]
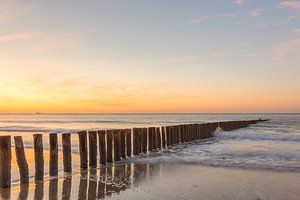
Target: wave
[[236, 135], [34, 129], [69, 121]]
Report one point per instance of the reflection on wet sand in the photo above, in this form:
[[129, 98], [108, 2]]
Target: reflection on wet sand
[[92, 184], [66, 188]]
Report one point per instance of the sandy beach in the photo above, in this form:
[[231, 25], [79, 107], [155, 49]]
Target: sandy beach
[[163, 181]]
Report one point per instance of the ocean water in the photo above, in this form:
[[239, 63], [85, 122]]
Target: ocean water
[[273, 145]]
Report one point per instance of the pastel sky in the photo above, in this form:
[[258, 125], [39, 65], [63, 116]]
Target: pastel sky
[[149, 56]]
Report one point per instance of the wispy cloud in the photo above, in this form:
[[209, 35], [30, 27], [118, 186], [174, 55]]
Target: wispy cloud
[[201, 19], [180, 59], [211, 17], [239, 1], [297, 30], [10, 10], [286, 49], [256, 12], [290, 4], [19, 36]]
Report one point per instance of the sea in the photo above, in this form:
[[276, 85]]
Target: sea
[[272, 145]]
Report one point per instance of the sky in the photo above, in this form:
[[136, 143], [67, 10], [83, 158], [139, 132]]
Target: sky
[[115, 56]]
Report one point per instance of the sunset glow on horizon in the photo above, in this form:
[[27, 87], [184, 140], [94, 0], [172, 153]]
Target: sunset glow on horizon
[[138, 56]]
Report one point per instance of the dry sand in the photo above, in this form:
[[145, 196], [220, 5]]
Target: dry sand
[[163, 181]]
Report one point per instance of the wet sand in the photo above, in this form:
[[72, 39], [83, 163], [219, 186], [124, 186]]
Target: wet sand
[[163, 181]]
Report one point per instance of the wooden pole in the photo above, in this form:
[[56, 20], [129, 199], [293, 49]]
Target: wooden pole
[[38, 157], [154, 143], [139, 141], [176, 134], [163, 134], [123, 144], [158, 138], [109, 149], [53, 162], [167, 129], [83, 149], [5, 161], [102, 147], [116, 135], [171, 135], [136, 141], [67, 153], [144, 140], [151, 131], [21, 160], [128, 142], [93, 148]]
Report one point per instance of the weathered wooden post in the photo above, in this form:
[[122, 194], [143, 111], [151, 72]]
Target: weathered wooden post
[[116, 135], [167, 129], [83, 149], [190, 132], [5, 161], [186, 138], [144, 140], [139, 143], [67, 153], [158, 138], [136, 141], [21, 160], [102, 147], [93, 148], [53, 160], [163, 134], [151, 131], [193, 132], [172, 135], [154, 142], [38, 157], [123, 143], [202, 131], [176, 134], [128, 142], [109, 150]]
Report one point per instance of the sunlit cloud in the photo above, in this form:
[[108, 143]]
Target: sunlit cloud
[[297, 30], [201, 19], [290, 4], [239, 1], [211, 17], [286, 49], [180, 59], [256, 12], [19, 36], [10, 10]]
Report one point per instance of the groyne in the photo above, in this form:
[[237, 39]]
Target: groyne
[[103, 147]]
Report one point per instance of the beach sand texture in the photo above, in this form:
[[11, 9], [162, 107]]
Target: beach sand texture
[[162, 181]]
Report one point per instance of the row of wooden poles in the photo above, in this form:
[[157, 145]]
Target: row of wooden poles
[[111, 145]]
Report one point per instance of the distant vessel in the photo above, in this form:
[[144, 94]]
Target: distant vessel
[[37, 113]]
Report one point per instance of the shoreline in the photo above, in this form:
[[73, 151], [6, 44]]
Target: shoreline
[[164, 181]]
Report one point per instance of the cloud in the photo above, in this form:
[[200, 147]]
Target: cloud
[[9, 10], [239, 1], [180, 59], [286, 49], [201, 19], [256, 12], [297, 30], [19, 36], [290, 4], [211, 17]]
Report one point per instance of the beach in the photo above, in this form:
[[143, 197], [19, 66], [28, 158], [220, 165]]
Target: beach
[[257, 162], [164, 181]]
